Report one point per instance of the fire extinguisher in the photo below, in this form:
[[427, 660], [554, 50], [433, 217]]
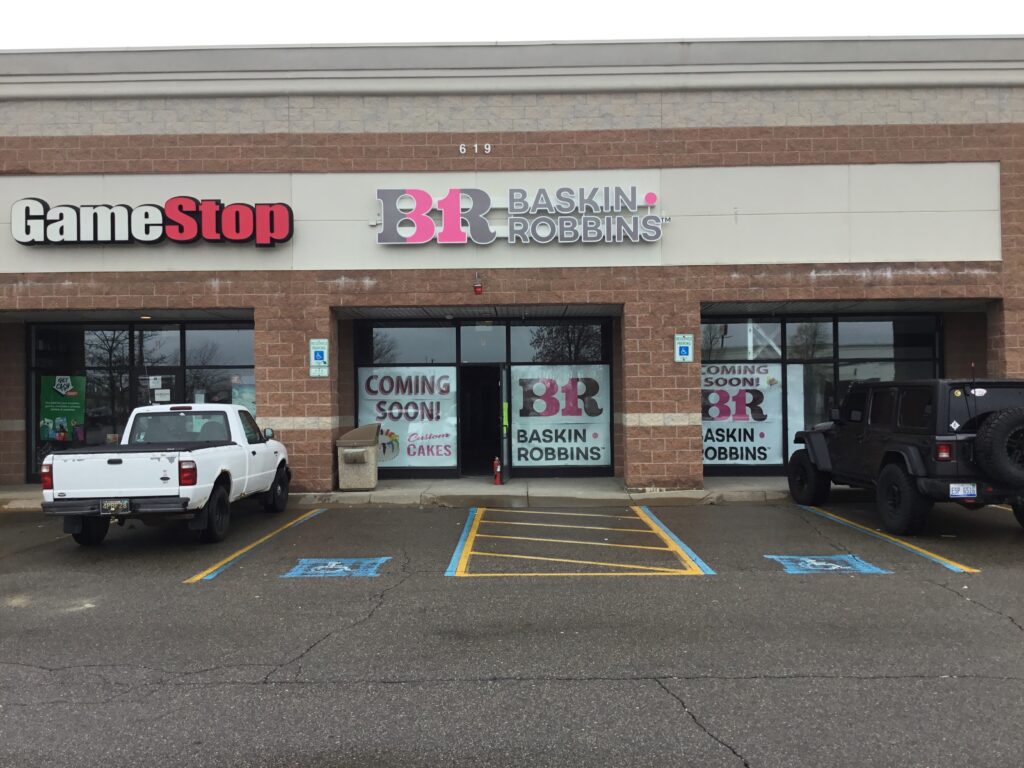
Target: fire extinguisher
[[496, 466]]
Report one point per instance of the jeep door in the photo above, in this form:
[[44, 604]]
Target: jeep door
[[879, 430], [845, 446]]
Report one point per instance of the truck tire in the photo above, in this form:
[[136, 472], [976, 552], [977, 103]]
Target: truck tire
[[999, 446], [218, 515], [276, 499], [94, 531], [1018, 509], [807, 483], [902, 508]]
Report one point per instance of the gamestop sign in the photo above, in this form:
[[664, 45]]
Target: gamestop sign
[[180, 219], [561, 415], [741, 413], [558, 215]]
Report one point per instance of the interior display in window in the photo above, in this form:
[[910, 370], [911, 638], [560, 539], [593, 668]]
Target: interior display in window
[[417, 411], [561, 415], [741, 413], [62, 408]]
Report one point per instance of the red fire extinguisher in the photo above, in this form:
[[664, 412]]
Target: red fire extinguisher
[[496, 466]]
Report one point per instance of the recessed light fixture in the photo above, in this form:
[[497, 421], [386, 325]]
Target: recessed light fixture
[[145, 317]]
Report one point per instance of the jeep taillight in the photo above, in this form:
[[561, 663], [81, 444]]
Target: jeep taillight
[[46, 476], [187, 473], [944, 451]]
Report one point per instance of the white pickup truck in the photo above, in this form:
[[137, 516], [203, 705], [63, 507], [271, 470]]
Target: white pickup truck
[[179, 462]]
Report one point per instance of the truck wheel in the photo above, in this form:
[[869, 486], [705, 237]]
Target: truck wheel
[[276, 499], [902, 508], [807, 483], [218, 515], [999, 445], [1018, 509], [94, 531]]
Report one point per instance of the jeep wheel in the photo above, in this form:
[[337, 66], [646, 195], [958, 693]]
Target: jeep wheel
[[999, 445], [1018, 509], [218, 515], [902, 508], [94, 531], [807, 484]]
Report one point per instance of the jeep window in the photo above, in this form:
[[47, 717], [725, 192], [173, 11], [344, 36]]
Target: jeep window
[[882, 401], [915, 409], [853, 406]]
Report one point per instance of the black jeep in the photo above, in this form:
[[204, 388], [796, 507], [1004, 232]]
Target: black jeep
[[916, 443]]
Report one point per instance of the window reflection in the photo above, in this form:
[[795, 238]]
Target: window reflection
[[749, 340], [566, 343]]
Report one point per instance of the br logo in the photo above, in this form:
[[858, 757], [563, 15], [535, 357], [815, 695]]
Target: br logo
[[406, 217], [540, 397]]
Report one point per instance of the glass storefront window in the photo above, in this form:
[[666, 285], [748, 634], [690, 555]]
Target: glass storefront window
[[483, 343], [901, 338], [883, 370], [810, 397], [566, 343], [221, 385], [749, 340], [809, 338], [411, 346], [218, 346], [158, 346], [741, 413]]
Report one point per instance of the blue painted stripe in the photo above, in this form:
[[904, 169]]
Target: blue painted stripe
[[899, 544], [454, 564], [704, 567], [215, 574]]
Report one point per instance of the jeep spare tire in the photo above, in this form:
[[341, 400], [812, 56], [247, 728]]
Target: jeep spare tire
[[999, 446]]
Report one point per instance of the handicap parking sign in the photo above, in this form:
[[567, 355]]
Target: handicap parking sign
[[319, 355], [824, 564], [320, 567]]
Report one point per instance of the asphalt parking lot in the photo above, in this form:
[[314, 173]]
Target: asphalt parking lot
[[367, 637]]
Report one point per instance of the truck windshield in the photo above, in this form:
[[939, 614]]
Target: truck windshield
[[180, 427]]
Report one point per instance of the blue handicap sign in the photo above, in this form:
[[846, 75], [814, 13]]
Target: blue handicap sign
[[825, 564], [684, 350], [321, 567], [319, 355]]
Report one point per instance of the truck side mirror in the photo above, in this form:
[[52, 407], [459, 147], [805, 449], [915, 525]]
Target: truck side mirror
[[835, 415], [268, 433]]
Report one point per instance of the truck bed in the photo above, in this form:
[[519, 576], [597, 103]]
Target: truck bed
[[144, 448]]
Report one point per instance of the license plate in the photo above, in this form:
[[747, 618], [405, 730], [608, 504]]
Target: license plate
[[114, 506], [963, 490]]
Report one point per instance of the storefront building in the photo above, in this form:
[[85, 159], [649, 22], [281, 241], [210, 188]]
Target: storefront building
[[649, 260]]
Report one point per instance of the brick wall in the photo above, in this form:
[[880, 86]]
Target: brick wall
[[660, 400], [12, 404]]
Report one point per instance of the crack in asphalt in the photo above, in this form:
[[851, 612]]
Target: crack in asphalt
[[977, 602], [832, 542], [378, 599], [696, 721]]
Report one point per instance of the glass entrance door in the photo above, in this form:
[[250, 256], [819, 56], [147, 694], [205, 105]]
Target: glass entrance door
[[157, 387]]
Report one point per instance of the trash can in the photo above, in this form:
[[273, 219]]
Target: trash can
[[357, 458]]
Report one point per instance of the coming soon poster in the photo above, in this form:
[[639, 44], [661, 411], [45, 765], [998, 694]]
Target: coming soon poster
[[741, 413]]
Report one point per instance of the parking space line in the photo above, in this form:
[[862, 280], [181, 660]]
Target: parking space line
[[626, 566], [676, 544], [460, 557], [912, 548], [214, 570], [571, 541], [562, 514], [559, 525]]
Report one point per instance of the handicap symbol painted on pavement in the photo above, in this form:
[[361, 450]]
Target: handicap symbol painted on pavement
[[825, 564], [319, 567]]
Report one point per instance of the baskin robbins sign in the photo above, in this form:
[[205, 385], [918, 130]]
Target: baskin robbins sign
[[608, 214]]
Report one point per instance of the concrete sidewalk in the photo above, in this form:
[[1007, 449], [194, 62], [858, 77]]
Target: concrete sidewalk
[[477, 491]]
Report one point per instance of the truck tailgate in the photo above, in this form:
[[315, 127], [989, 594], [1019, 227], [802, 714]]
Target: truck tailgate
[[115, 475]]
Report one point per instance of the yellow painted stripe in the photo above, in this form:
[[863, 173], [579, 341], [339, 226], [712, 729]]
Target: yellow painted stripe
[[680, 553], [571, 541], [1002, 506], [580, 562], [558, 525], [895, 540], [467, 550], [563, 574], [239, 553], [563, 514]]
